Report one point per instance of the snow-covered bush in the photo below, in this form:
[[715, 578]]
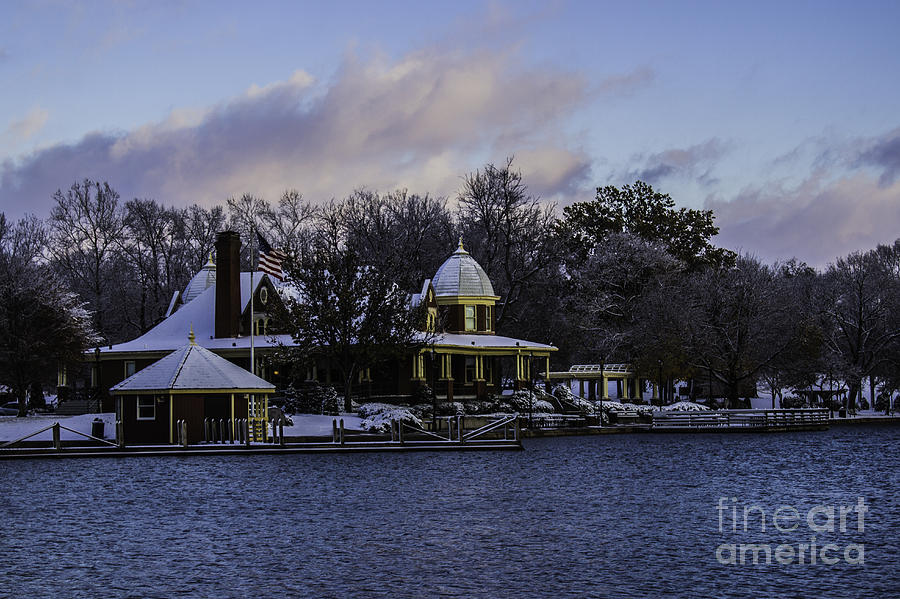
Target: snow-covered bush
[[377, 417], [617, 406], [564, 395], [483, 407], [526, 401], [611, 409], [451, 408], [686, 406]]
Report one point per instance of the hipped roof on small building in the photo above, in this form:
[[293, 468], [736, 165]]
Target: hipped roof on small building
[[190, 369]]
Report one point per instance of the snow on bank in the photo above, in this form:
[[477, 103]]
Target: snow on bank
[[13, 427], [317, 425]]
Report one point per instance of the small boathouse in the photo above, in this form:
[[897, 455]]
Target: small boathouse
[[191, 384]]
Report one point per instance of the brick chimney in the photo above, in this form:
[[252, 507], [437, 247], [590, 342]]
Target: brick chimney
[[228, 284]]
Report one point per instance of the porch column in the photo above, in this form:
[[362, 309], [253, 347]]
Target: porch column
[[604, 392]]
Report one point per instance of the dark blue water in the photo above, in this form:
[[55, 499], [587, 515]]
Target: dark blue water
[[617, 516]]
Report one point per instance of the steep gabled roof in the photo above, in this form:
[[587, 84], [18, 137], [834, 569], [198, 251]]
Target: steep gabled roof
[[199, 314]]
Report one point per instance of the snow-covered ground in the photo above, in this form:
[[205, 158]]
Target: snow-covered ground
[[316, 425], [12, 428]]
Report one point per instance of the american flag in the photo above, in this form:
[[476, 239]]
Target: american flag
[[269, 258]]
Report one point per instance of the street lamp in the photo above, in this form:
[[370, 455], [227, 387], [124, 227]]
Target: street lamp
[[97, 375], [659, 381], [433, 393], [530, 393]]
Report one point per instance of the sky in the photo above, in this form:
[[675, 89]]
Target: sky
[[781, 117]]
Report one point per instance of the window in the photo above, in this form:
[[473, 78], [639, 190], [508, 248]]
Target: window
[[129, 368], [488, 325], [146, 408], [431, 319], [470, 369], [94, 379], [470, 318]]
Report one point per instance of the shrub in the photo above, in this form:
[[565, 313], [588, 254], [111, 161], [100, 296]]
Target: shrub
[[311, 398], [377, 417]]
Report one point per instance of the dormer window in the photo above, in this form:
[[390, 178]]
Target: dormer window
[[470, 318], [431, 320]]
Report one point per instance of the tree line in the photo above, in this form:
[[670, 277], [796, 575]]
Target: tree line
[[624, 277]]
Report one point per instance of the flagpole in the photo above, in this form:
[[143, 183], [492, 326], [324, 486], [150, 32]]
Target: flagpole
[[252, 323], [254, 408]]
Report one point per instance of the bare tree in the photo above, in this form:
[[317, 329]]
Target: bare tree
[[509, 232], [860, 306], [153, 245], [739, 322], [202, 225], [352, 315], [287, 226], [86, 229], [405, 234]]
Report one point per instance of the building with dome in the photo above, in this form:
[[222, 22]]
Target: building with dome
[[468, 359], [461, 358]]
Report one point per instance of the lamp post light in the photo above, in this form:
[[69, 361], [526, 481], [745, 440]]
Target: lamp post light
[[97, 384], [659, 381], [530, 393], [433, 393]]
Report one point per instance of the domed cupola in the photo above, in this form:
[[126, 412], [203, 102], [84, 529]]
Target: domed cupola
[[461, 275], [201, 281]]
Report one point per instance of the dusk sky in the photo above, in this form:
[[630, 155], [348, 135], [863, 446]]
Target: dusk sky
[[783, 117]]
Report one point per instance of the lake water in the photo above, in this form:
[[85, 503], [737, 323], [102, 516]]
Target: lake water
[[615, 515]]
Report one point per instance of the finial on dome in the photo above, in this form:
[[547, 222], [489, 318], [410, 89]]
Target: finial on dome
[[191, 337], [210, 261], [460, 244]]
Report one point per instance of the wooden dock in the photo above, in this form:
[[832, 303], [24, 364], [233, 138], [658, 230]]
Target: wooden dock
[[501, 434], [255, 449]]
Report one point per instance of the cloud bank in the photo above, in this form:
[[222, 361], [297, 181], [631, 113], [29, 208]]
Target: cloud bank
[[695, 162], [420, 122], [817, 221]]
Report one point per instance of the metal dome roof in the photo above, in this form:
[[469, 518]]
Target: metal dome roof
[[460, 274], [201, 281]]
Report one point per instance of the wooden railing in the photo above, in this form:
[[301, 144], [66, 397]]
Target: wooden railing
[[741, 418]]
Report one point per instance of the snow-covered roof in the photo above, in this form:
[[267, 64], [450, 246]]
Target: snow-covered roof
[[192, 367], [460, 274], [489, 342], [597, 368], [418, 298], [199, 313], [200, 282]]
